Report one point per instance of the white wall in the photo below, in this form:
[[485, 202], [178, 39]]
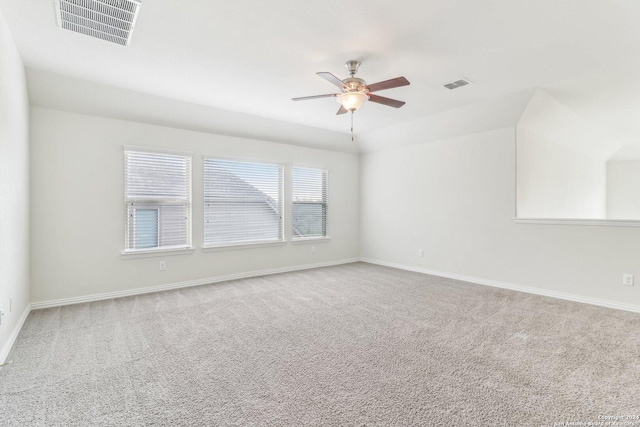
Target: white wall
[[455, 198], [623, 189], [78, 218], [556, 181], [14, 187], [561, 162]]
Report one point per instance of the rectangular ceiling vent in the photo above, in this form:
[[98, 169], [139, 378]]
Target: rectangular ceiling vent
[[110, 20], [457, 84]]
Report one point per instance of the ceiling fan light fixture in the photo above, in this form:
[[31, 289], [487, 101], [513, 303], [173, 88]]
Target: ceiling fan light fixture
[[352, 100]]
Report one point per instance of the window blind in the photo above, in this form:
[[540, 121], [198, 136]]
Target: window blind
[[158, 200], [309, 202], [243, 202]]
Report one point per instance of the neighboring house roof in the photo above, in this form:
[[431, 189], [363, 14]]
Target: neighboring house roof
[[239, 208]]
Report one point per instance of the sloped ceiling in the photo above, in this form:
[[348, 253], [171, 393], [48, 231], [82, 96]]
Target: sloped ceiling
[[252, 57], [65, 93], [497, 113]]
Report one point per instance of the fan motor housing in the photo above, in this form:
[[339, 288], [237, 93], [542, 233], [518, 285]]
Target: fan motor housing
[[354, 83]]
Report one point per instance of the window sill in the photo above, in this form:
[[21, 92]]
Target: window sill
[[243, 246], [156, 252], [302, 240], [591, 222]]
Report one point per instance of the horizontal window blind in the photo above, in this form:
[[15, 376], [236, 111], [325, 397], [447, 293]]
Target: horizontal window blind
[[309, 202], [242, 202], [158, 200]]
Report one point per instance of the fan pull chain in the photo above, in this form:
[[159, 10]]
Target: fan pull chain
[[351, 125]]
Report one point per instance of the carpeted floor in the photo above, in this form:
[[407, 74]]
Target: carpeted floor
[[356, 344]]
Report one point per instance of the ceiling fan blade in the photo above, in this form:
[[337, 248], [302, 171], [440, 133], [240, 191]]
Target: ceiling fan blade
[[332, 79], [341, 110], [388, 84], [386, 101], [304, 98]]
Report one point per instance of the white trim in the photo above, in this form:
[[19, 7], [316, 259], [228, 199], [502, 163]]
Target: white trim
[[6, 349], [233, 246], [302, 240], [197, 282], [578, 221], [243, 160], [143, 149], [157, 252], [513, 287], [310, 166]]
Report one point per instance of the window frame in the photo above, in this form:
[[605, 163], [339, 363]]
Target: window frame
[[326, 236], [157, 204], [282, 176]]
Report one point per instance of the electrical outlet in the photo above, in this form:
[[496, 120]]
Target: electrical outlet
[[313, 249], [10, 304], [420, 252], [627, 279], [163, 265]]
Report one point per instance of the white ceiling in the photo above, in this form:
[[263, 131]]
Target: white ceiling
[[252, 56]]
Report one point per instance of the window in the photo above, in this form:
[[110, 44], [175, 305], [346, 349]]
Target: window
[[309, 202], [158, 200], [242, 202], [146, 230]]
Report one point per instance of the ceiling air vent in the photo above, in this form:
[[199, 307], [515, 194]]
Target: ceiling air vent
[[110, 20], [457, 84]]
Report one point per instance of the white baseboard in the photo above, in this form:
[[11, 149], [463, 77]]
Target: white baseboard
[[169, 286], [496, 284], [12, 338]]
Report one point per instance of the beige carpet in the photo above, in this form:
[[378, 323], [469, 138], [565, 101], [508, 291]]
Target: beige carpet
[[350, 345]]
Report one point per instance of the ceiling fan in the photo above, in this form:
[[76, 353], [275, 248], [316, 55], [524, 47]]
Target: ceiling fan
[[355, 91]]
